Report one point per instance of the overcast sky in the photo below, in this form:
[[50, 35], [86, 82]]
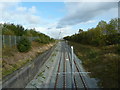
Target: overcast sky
[[52, 17]]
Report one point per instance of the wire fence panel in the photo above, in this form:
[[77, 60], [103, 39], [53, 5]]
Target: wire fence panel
[[10, 41], [17, 39], [6, 41]]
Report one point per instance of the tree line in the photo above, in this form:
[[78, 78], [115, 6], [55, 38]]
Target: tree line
[[103, 34], [19, 30]]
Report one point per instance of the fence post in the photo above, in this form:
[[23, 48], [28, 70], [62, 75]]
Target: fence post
[[72, 65], [19, 38], [31, 39], [15, 40], [3, 42], [10, 40]]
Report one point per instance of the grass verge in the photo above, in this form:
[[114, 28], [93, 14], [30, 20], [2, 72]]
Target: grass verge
[[13, 60], [102, 62]]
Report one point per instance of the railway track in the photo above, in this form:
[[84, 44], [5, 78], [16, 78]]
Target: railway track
[[64, 70], [61, 73], [63, 65], [74, 84], [58, 71], [82, 79]]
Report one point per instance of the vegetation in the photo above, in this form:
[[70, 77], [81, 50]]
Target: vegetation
[[24, 45], [99, 50], [18, 30], [13, 58], [102, 62], [103, 34], [44, 40]]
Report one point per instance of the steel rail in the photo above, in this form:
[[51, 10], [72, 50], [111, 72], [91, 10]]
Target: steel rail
[[56, 81], [71, 68], [64, 75], [83, 81]]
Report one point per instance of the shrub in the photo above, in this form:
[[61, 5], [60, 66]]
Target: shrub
[[118, 48], [42, 40], [113, 39], [24, 45]]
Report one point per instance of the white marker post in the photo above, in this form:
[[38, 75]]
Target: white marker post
[[72, 65]]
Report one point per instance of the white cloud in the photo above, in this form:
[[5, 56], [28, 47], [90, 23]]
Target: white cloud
[[49, 30], [91, 0], [32, 9], [13, 12], [7, 5], [59, 0], [83, 12], [10, 0], [32, 19], [21, 9], [88, 22], [55, 33]]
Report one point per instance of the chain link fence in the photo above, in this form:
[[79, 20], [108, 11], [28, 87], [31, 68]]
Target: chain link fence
[[9, 40]]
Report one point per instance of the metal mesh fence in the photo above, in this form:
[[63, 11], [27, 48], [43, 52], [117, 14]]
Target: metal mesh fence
[[8, 40]]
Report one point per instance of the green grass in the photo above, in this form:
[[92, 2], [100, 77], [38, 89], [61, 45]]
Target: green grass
[[8, 54], [43, 77], [7, 51], [47, 67], [40, 74], [54, 54], [14, 67], [102, 62]]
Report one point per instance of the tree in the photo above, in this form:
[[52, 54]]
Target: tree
[[24, 45], [18, 30], [27, 33], [112, 26], [102, 27], [80, 31], [103, 34], [6, 31]]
